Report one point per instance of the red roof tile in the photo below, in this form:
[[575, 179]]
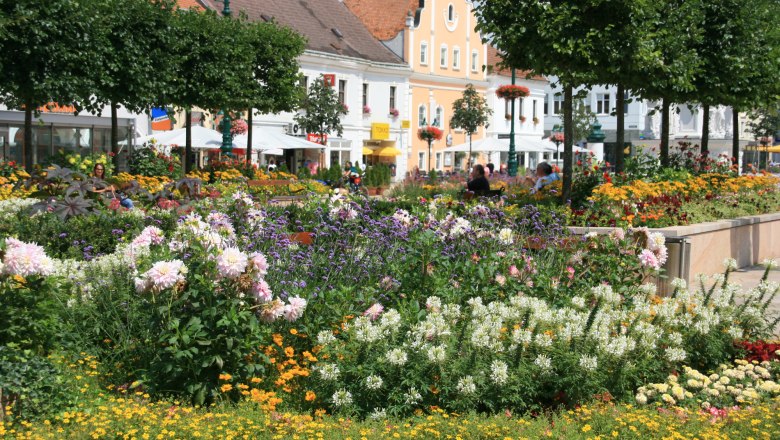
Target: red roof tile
[[385, 19], [494, 59]]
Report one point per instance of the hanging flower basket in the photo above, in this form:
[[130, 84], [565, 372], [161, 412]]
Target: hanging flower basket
[[509, 91], [557, 137], [429, 133], [238, 126]]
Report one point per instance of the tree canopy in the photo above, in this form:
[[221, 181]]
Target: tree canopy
[[322, 110], [469, 112]]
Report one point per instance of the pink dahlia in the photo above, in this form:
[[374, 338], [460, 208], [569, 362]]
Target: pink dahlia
[[272, 310], [294, 309], [231, 263], [374, 311], [163, 275], [258, 263], [26, 259], [648, 259], [262, 291], [514, 272]]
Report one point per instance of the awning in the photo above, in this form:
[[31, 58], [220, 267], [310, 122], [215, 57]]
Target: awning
[[387, 152], [367, 151], [759, 148]]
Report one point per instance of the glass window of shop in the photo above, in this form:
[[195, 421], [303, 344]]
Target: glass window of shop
[[49, 140]]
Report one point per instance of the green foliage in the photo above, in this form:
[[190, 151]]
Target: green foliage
[[32, 385], [322, 110], [29, 312], [470, 111], [148, 161]]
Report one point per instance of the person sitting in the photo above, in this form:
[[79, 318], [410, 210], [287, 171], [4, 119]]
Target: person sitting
[[478, 180], [99, 172], [544, 177]]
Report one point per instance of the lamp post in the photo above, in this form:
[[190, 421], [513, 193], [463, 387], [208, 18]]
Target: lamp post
[[227, 137], [512, 162], [557, 138]]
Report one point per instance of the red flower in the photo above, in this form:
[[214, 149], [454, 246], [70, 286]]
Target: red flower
[[429, 133], [510, 91]]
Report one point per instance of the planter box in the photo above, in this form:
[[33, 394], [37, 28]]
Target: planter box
[[701, 248]]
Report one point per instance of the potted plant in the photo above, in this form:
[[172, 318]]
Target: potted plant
[[536, 120], [512, 91], [522, 119], [508, 117], [366, 110]]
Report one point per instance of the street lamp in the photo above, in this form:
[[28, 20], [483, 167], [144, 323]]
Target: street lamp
[[227, 137]]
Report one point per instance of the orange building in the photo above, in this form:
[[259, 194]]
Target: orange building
[[437, 39]]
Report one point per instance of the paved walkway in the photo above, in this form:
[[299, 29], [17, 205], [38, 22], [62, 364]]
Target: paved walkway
[[749, 277]]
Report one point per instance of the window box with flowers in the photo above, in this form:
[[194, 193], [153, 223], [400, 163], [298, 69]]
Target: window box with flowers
[[394, 113], [522, 119], [366, 110], [508, 117], [536, 120]]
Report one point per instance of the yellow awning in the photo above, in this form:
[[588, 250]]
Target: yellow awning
[[387, 152], [367, 151]]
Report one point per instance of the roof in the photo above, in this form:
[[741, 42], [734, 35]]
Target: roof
[[320, 21], [385, 19], [494, 59], [192, 4]]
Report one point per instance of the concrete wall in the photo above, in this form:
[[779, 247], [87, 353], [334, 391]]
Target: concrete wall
[[702, 248]]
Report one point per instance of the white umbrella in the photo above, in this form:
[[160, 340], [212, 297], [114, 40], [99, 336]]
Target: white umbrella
[[522, 145], [201, 137], [266, 139]]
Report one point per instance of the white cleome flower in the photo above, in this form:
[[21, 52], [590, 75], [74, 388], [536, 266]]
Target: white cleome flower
[[437, 354], [396, 357], [374, 382], [543, 362], [412, 397], [325, 337], [328, 371], [499, 372], [589, 363], [342, 397], [466, 385]]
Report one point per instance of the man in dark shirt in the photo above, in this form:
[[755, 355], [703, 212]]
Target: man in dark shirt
[[478, 180]]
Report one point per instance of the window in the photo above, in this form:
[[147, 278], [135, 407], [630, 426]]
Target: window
[[342, 91], [546, 104], [533, 108], [365, 95], [423, 53], [447, 159], [392, 97], [602, 103], [456, 58], [421, 160], [443, 55], [438, 121], [438, 161], [474, 60], [451, 13], [305, 84], [558, 104], [421, 120], [521, 104], [508, 108], [626, 97]]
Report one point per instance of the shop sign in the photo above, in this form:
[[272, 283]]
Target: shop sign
[[406, 124], [330, 79], [380, 130], [313, 137], [53, 107]]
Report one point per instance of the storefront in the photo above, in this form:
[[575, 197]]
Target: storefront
[[53, 131], [380, 149]]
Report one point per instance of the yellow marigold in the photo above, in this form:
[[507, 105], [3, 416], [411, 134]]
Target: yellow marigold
[[226, 387], [278, 340], [256, 380], [289, 351], [225, 376], [310, 396]]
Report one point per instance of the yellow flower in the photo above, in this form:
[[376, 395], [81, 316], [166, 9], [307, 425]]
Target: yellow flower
[[226, 387], [586, 428], [225, 376], [310, 396]]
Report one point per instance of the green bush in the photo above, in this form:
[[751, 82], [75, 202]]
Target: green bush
[[148, 161]]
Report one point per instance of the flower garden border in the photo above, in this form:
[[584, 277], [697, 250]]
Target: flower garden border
[[701, 248]]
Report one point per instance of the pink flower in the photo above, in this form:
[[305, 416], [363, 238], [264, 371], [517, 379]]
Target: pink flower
[[272, 310], [262, 291], [571, 272], [258, 263], [374, 311], [26, 259], [500, 279], [514, 272], [648, 259], [294, 309], [150, 235], [231, 263], [163, 275]]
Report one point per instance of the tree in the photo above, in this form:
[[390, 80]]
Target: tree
[[48, 57], [322, 111], [213, 57], [275, 86], [469, 113], [134, 64], [582, 119]]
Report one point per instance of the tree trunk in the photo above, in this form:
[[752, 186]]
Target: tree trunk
[[620, 135], [188, 141], [568, 135], [115, 136], [705, 131], [735, 139], [665, 132], [27, 147], [430, 162], [249, 138], [470, 165]]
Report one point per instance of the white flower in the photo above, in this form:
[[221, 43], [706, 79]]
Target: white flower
[[342, 397], [679, 284], [730, 264], [769, 263], [606, 294], [578, 301], [412, 397], [505, 236], [591, 235], [374, 382], [433, 304], [589, 363], [499, 372], [674, 354], [543, 362], [466, 385], [437, 354], [378, 414], [641, 399], [294, 309], [396, 356], [325, 337], [328, 371]]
